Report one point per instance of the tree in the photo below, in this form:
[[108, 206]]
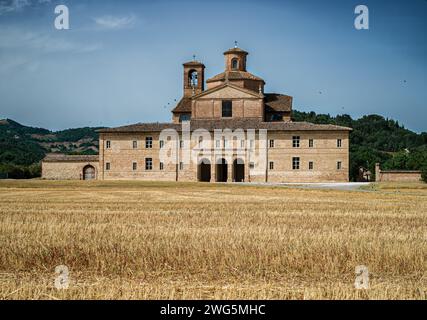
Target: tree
[[424, 174]]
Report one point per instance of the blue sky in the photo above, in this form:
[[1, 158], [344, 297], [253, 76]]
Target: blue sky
[[121, 61]]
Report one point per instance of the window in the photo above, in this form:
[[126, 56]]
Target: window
[[339, 165], [184, 117], [107, 166], [271, 143], [162, 166], [134, 166], [242, 144], [225, 142], [295, 163], [162, 144], [181, 166], [149, 142], [135, 144], [181, 144], [310, 165], [252, 143], [339, 143], [227, 108], [148, 163], [108, 144], [235, 64], [295, 141], [276, 117], [251, 165], [311, 143], [200, 142], [217, 143], [271, 165]]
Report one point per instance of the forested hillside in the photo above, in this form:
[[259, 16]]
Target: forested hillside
[[22, 147], [376, 139], [373, 139]]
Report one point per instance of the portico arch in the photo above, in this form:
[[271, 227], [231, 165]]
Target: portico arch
[[221, 170], [238, 170], [204, 171]]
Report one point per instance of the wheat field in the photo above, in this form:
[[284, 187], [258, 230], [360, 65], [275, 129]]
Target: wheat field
[[139, 240]]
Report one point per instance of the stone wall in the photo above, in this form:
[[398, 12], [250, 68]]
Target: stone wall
[[396, 175], [67, 170]]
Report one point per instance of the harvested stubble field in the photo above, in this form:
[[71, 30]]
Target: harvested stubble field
[[138, 240]]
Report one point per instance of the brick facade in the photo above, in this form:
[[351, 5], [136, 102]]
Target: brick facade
[[324, 156]]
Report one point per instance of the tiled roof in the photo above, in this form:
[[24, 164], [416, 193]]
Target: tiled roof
[[277, 102], [243, 123], [55, 157], [234, 50], [234, 75], [184, 105], [193, 63]]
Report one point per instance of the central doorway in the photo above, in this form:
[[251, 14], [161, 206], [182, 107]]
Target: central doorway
[[204, 171], [238, 170], [221, 170]]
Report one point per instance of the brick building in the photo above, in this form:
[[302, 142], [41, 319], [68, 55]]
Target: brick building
[[232, 131]]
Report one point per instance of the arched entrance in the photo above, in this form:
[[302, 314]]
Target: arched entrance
[[238, 170], [221, 170], [89, 173], [204, 171]]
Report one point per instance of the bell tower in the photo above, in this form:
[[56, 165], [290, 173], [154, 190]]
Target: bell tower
[[235, 59], [194, 77]]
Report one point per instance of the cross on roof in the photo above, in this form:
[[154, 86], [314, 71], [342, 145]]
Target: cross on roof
[[235, 44], [194, 57]]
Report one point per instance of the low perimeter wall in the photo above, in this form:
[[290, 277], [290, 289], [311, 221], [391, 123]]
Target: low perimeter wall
[[396, 175], [70, 170]]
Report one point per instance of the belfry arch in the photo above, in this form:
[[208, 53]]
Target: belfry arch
[[193, 78]]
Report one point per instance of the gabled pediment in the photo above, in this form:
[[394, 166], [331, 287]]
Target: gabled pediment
[[228, 91]]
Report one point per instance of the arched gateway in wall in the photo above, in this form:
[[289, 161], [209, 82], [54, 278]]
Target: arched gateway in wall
[[89, 173]]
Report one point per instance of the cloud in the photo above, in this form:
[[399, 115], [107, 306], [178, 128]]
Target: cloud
[[20, 48], [7, 6], [10, 6], [13, 38], [115, 23]]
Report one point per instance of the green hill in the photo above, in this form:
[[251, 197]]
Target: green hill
[[373, 139], [22, 147]]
